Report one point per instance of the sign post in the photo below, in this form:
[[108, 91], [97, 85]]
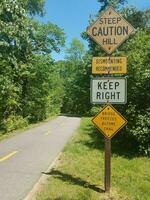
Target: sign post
[[110, 30], [107, 180], [109, 121]]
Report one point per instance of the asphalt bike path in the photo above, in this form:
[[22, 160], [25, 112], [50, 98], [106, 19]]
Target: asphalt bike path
[[26, 155]]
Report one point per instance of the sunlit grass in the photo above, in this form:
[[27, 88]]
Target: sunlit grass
[[79, 174]]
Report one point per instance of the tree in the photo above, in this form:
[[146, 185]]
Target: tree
[[76, 51], [16, 52], [137, 108], [35, 7], [47, 38], [44, 90], [114, 3], [73, 72], [139, 18], [21, 41]]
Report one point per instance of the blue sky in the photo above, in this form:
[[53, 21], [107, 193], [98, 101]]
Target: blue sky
[[73, 16]]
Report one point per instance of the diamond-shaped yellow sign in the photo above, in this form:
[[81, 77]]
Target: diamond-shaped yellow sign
[[110, 30], [109, 121]]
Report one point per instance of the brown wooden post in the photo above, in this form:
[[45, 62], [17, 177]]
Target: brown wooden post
[[107, 164]]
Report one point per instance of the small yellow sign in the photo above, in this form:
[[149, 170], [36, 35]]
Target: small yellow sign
[[109, 121], [109, 65]]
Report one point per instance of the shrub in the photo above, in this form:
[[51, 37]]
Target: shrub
[[141, 132], [94, 110], [14, 122]]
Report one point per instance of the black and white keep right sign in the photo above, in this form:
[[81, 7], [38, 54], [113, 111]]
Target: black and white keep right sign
[[109, 90]]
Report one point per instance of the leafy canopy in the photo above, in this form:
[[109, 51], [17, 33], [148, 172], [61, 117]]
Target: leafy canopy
[[114, 3], [76, 51]]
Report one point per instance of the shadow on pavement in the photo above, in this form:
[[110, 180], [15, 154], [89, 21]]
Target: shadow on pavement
[[73, 180]]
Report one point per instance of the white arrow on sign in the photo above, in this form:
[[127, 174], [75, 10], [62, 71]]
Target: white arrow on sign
[[109, 90]]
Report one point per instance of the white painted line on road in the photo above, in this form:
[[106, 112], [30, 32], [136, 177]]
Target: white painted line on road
[[8, 156]]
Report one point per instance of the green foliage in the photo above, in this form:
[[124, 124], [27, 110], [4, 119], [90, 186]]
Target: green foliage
[[139, 18], [15, 52], [94, 110], [43, 91], [140, 130], [76, 80], [35, 7], [28, 81], [114, 3], [14, 122], [76, 51], [137, 108], [47, 38]]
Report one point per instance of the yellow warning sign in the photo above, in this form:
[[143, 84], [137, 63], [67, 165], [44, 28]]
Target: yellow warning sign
[[109, 121], [109, 65], [110, 30]]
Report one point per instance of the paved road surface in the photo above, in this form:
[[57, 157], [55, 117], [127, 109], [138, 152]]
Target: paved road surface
[[24, 156]]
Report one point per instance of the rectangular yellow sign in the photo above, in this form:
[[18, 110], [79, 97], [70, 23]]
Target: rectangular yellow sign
[[109, 65]]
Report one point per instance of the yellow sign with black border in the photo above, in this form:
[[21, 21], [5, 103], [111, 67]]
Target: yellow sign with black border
[[109, 65], [109, 121]]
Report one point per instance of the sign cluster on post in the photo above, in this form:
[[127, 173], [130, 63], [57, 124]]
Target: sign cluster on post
[[110, 30]]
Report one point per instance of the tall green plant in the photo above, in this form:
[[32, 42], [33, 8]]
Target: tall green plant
[[21, 41]]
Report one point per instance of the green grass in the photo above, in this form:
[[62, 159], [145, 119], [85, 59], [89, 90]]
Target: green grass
[[79, 173]]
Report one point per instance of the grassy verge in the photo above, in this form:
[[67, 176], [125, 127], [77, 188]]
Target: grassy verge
[[79, 173]]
